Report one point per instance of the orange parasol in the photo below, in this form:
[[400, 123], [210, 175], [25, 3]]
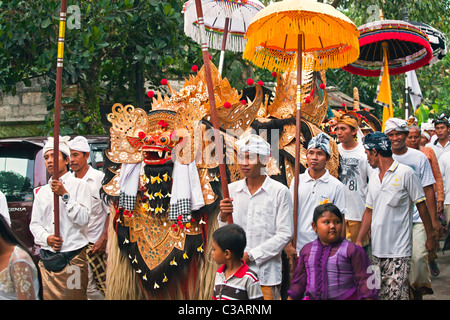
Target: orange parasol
[[284, 31]]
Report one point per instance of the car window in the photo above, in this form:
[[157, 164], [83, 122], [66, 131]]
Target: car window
[[16, 174], [97, 155]]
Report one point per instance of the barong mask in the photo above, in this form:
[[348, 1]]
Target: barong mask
[[158, 224], [157, 145]]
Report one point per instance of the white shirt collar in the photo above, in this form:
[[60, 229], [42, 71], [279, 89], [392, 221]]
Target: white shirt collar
[[243, 185], [325, 177], [66, 176]]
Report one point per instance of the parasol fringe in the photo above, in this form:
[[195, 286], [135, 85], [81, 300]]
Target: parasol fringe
[[305, 24], [235, 42]]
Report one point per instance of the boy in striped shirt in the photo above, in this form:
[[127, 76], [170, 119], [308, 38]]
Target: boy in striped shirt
[[234, 279]]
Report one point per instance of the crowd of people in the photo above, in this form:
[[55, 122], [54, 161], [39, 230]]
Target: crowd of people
[[79, 248], [370, 233]]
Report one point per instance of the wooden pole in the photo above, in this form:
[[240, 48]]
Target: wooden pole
[[59, 70], [224, 44], [212, 104], [298, 125]]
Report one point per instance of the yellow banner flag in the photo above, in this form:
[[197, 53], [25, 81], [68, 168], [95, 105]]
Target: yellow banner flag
[[384, 94]]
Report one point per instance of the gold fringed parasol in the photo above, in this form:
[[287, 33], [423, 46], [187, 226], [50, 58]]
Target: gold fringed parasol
[[272, 36], [286, 34]]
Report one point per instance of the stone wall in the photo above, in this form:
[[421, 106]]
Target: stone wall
[[21, 114]]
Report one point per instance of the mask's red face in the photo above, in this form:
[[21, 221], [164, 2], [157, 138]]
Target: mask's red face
[[156, 146]]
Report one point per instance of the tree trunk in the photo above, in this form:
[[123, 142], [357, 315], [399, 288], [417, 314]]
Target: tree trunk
[[90, 99]]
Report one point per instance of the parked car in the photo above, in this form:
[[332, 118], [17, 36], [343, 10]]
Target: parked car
[[22, 169]]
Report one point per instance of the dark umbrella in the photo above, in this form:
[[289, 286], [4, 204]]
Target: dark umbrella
[[437, 41], [389, 47], [407, 48]]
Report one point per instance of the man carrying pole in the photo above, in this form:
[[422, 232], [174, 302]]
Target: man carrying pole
[[62, 254]]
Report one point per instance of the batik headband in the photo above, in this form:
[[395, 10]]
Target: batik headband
[[321, 141], [441, 119], [346, 119], [376, 140], [396, 124]]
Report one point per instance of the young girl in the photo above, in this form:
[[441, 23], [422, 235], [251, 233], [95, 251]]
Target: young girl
[[331, 267]]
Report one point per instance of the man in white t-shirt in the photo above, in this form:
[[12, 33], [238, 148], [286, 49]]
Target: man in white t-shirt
[[97, 229], [316, 186], [441, 145], [392, 192], [354, 174]]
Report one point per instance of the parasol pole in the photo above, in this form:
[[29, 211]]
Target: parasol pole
[[406, 78], [59, 70], [406, 97], [298, 124], [224, 43], [212, 104]]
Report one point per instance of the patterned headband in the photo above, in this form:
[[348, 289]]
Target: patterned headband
[[321, 141], [377, 141]]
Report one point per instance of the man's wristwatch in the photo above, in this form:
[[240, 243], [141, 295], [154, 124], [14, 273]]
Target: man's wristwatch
[[65, 197]]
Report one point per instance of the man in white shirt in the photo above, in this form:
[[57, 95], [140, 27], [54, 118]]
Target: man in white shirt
[[263, 208], [354, 174], [392, 192], [441, 145], [397, 132], [64, 255], [97, 229], [316, 186]]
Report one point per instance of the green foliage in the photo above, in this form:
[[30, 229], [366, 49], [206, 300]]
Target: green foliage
[[125, 47], [118, 46]]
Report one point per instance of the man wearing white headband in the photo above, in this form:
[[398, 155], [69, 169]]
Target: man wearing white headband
[[263, 208], [316, 186], [69, 249], [397, 132], [97, 229], [440, 144]]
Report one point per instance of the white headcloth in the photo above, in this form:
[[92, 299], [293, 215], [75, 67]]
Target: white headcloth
[[253, 144], [396, 124], [63, 145], [79, 143]]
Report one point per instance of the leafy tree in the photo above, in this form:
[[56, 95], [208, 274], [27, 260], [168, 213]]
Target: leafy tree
[[122, 45], [118, 46]]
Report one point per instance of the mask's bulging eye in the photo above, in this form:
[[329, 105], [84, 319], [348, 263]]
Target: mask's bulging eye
[[164, 140]]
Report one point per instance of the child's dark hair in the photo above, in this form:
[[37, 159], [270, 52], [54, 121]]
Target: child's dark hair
[[231, 237], [320, 209]]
